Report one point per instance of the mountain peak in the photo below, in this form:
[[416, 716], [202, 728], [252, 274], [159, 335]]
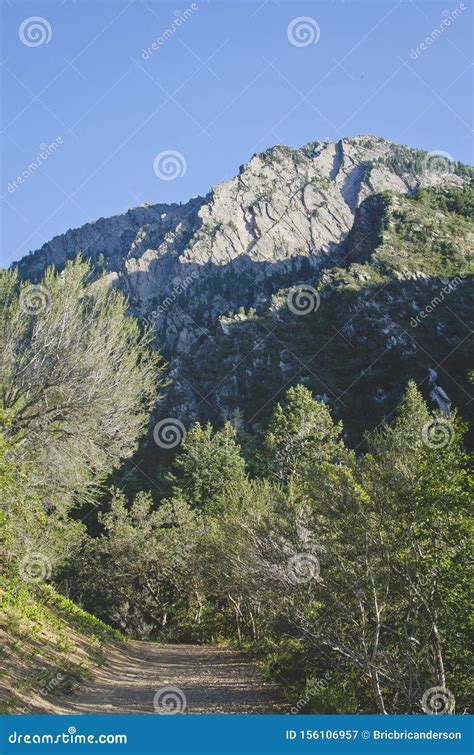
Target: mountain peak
[[203, 273], [284, 206]]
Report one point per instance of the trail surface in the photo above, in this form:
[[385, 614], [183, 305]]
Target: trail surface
[[208, 679]]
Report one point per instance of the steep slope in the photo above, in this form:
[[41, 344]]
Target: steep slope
[[206, 275], [48, 647], [400, 305], [284, 205]]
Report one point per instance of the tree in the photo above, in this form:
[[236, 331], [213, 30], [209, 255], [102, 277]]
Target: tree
[[417, 475], [141, 572], [77, 379], [299, 434], [392, 598], [33, 541], [208, 465]]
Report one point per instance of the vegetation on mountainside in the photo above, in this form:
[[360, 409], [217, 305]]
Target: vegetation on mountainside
[[344, 569], [77, 383], [363, 341], [352, 567]]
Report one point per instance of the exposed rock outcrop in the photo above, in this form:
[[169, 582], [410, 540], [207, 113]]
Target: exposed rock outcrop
[[206, 274]]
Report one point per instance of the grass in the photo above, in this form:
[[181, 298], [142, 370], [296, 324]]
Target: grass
[[48, 646]]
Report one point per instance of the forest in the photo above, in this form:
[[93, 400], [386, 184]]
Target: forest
[[342, 570]]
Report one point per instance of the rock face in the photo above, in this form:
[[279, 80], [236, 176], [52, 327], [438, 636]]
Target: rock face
[[199, 270], [287, 208]]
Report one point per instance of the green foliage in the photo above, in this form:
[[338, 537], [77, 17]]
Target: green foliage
[[364, 341], [208, 465], [76, 383], [460, 200], [76, 616], [77, 379], [139, 571], [29, 532], [346, 577], [299, 434], [51, 644]]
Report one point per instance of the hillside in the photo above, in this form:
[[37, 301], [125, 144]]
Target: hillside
[[57, 658], [49, 647], [397, 302], [211, 278], [315, 315]]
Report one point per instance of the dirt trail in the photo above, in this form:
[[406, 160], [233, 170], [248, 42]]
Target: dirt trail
[[211, 680]]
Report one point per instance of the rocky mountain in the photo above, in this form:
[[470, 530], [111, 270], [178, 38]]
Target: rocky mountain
[[374, 231]]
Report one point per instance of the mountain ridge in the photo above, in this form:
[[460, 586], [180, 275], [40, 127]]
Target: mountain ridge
[[330, 160], [224, 263]]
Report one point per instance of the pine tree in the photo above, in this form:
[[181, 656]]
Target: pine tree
[[300, 433], [209, 465]]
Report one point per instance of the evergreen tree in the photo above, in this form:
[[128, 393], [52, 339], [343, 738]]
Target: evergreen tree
[[299, 434], [208, 465]]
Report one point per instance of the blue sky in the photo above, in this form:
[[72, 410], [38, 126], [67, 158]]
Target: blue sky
[[227, 82]]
